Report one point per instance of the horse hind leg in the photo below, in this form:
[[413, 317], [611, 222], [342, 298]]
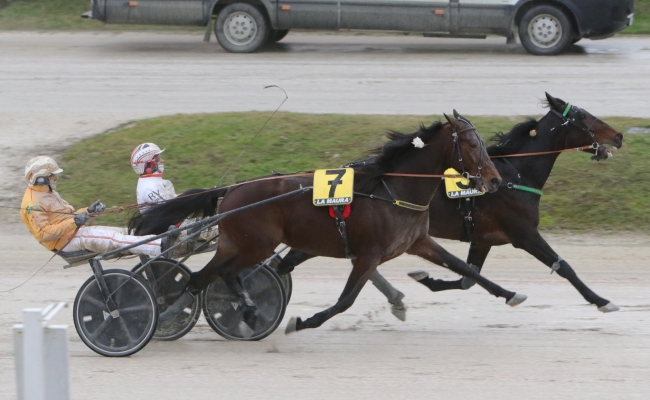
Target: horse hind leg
[[475, 259], [426, 248], [363, 267]]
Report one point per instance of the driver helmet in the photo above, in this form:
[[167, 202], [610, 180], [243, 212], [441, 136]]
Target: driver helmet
[[142, 159], [39, 169]]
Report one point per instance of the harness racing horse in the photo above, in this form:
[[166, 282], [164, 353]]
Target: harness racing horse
[[377, 230], [524, 158]]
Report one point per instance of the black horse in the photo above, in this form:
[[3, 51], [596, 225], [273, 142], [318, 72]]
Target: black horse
[[381, 226], [511, 215]]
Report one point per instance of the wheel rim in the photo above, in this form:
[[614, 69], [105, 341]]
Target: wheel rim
[[545, 30], [168, 280], [116, 336], [240, 28]]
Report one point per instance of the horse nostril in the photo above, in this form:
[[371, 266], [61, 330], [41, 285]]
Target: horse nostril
[[495, 182]]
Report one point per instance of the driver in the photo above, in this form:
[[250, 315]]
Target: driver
[[147, 162], [57, 226]]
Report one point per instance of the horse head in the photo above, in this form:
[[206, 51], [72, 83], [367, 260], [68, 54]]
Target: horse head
[[581, 128], [471, 157]]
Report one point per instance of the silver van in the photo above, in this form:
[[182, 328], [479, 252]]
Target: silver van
[[545, 27]]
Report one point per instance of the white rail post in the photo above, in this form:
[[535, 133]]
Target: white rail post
[[41, 356]]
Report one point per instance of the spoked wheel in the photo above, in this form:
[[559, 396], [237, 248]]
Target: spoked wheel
[[286, 278], [168, 279], [224, 311], [129, 328]]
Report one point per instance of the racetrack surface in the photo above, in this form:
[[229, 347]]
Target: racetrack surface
[[453, 345], [56, 88]]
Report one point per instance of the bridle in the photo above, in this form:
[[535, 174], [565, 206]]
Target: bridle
[[455, 134], [573, 115]]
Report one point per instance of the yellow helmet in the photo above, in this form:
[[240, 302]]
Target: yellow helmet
[[40, 167]]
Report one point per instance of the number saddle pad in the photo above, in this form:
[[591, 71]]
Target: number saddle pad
[[333, 187], [458, 188]]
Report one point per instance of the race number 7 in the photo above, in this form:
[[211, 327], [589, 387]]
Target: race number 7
[[336, 181]]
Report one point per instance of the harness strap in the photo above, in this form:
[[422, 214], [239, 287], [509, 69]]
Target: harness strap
[[340, 225], [410, 206], [524, 188], [566, 110], [399, 203]]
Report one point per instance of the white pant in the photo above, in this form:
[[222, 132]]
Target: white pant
[[102, 239]]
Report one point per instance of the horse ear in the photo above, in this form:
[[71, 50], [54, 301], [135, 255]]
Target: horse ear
[[555, 103], [448, 119], [456, 115]]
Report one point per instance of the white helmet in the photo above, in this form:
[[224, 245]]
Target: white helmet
[[142, 157], [40, 167]]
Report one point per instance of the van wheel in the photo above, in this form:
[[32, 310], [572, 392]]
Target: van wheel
[[241, 28], [545, 30]]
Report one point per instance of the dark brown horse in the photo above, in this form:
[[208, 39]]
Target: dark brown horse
[[511, 215], [378, 230]]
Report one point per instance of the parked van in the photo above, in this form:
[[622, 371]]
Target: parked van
[[545, 27]]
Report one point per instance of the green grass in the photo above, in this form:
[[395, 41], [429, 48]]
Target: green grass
[[64, 15], [641, 24], [581, 194]]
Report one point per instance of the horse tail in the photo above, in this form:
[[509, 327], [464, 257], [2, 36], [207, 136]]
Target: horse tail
[[194, 203]]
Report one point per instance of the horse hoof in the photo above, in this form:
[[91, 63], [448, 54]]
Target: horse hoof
[[399, 312], [609, 307], [418, 275], [466, 282], [291, 326], [245, 330], [516, 300]]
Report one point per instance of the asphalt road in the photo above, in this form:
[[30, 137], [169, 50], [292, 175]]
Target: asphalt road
[[58, 88]]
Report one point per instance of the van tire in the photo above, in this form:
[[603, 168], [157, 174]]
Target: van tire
[[545, 30], [241, 28]]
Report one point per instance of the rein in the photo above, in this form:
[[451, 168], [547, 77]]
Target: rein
[[582, 148]]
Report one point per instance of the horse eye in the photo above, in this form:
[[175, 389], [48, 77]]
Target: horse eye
[[473, 144]]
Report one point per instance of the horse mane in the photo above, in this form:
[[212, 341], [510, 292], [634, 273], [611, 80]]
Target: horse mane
[[511, 142], [384, 158]]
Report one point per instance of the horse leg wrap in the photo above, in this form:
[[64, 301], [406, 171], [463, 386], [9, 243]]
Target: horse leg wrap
[[340, 224], [555, 267]]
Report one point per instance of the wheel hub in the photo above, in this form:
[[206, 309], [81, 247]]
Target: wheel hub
[[545, 30], [240, 28]]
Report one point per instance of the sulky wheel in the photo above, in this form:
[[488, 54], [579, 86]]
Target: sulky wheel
[[241, 28], [132, 324], [223, 309], [168, 279], [545, 30]]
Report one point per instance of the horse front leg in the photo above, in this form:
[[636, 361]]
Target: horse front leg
[[363, 267], [475, 259], [536, 246], [393, 295], [426, 248]]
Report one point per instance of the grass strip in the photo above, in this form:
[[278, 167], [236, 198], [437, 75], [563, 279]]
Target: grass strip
[[581, 195]]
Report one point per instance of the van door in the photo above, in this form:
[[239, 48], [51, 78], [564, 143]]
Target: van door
[[308, 14], [484, 16], [396, 15], [160, 12]]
